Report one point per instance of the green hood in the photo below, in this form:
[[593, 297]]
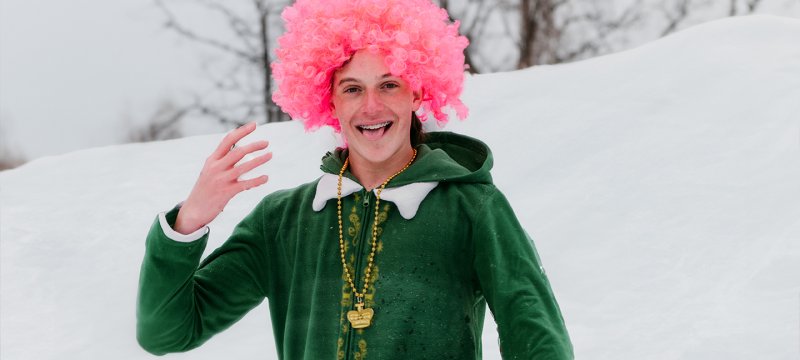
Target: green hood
[[443, 157]]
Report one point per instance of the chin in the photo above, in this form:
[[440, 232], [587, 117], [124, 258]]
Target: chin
[[375, 153]]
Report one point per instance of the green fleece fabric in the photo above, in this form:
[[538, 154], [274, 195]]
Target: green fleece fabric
[[432, 278]]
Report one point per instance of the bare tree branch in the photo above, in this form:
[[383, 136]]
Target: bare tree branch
[[604, 28], [162, 125], [470, 21], [264, 11], [251, 64], [539, 33], [10, 159], [675, 16], [752, 5], [175, 25], [239, 25]]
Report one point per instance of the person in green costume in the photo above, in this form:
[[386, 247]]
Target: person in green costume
[[396, 250]]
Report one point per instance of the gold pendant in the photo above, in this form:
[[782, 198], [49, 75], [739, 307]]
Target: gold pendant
[[360, 318]]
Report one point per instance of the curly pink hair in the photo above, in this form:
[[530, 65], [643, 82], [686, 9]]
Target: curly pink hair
[[416, 38]]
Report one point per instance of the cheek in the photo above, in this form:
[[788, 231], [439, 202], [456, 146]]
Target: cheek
[[342, 109], [404, 108]]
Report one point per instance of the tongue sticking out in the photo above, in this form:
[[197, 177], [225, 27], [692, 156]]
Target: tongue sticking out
[[374, 134]]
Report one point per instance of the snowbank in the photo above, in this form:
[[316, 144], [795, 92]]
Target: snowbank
[[661, 186]]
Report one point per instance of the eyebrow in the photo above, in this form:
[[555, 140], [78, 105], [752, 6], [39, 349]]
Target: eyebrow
[[356, 80]]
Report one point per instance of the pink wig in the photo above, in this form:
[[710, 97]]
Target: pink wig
[[416, 38]]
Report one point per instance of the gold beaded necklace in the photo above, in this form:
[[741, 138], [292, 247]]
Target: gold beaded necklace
[[362, 317]]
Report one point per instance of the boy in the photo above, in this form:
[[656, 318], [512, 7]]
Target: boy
[[396, 250]]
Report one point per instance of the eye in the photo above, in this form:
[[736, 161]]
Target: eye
[[351, 90], [391, 85]]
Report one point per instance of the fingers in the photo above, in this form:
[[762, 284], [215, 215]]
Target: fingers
[[218, 180], [232, 138], [245, 167], [236, 154], [251, 183]]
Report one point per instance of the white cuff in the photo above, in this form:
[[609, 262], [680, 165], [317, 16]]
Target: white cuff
[[174, 235]]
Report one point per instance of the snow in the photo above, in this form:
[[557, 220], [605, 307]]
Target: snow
[[660, 185]]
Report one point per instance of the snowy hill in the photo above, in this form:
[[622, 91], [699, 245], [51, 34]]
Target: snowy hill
[[661, 185]]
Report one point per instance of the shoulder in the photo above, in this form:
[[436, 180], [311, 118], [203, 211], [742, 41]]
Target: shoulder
[[476, 192], [293, 193], [466, 198], [286, 200]]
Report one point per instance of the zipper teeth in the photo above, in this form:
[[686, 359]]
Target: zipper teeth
[[357, 265]]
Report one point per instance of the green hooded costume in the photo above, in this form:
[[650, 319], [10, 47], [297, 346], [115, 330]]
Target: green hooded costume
[[448, 244]]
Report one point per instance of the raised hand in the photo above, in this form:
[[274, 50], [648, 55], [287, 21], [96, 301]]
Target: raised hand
[[219, 180]]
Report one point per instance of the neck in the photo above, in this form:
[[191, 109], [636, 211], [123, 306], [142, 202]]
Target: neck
[[373, 174]]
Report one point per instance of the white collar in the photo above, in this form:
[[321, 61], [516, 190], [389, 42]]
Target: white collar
[[406, 197]]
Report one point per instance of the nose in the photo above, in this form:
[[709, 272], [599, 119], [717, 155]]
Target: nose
[[373, 104]]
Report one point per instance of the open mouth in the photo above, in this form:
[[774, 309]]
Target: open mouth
[[375, 131]]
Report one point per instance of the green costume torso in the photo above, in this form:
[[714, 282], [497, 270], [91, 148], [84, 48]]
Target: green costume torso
[[434, 270]]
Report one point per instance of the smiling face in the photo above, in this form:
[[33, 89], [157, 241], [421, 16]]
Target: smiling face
[[374, 110]]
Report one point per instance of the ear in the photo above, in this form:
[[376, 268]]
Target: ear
[[332, 107], [417, 101]]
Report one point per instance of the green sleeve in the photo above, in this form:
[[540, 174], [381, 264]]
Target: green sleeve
[[180, 305], [515, 287]]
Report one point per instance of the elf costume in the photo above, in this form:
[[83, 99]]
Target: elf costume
[[448, 244], [404, 271]]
